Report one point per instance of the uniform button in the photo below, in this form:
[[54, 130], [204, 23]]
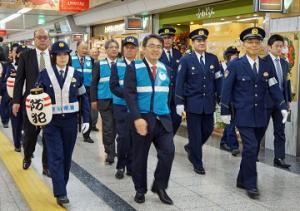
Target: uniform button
[[255, 95], [204, 94], [204, 86], [204, 78], [255, 104], [255, 85], [63, 115]]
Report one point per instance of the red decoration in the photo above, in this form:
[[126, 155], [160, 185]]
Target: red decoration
[[73, 5], [3, 32]]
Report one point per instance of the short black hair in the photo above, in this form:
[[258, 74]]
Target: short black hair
[[53, 59], [274, 38], [155, 36]]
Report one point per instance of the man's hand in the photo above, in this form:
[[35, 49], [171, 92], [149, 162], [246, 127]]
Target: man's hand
[[180, 109], [15, 109], [284, 114], [141, 126], [226, 119], [94, 105]]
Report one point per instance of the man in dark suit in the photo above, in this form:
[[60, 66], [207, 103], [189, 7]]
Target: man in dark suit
[[170, 57], [246, 82], [199, 81], [280, 67], [146, 91], [30, 64]]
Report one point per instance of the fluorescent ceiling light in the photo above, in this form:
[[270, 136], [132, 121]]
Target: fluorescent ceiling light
[[249, 19], [16, 15], [216, 23]]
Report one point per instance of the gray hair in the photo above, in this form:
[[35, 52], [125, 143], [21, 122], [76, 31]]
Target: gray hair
[[108, 42]]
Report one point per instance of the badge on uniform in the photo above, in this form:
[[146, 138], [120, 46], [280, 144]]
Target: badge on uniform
[[266, 74], [73, 80], [211, 67], [177, 61], [193, 68], [179, 67], [162, 76], [226, 73]]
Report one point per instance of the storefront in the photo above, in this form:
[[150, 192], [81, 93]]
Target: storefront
[[118, 30], [224, 21]]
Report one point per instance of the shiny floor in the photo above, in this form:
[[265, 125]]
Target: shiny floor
[[92, 184]]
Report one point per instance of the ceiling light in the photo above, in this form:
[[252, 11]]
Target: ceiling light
[[178, 24], [237, 17], [216, 23], [192, 22], [16, 15], [222, 19], [255, 15]]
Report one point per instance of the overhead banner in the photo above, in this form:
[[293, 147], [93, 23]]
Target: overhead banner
[[73, 5], [270, 5]]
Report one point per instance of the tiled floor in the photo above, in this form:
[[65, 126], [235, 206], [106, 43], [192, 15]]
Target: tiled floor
[[93, 186]]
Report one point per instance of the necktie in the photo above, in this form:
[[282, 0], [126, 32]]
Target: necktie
[[42, 61], [202, 63], [112, 64], [255, 68], [81, 61], [279, 72], [169, 56], [153, 69], [61, 73]]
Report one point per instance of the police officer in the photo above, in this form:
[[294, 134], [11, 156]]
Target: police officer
[[281, 68], [101, 96], [198, 84], [246, 82], [129, 48], [171, 57], [146, 86], [16, 121], [229, 140], [61, 133], [4, 98], [84, 63]]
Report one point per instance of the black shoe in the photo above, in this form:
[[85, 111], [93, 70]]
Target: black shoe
[[162, 194], [235, 152], [62, 200], [200, 170], [26, 164], [187, 148], [253, 193], [120, 174], [5, 125], [225, 147], [139, 198], [129, 173], [109, 160], [95, 129], [240, 185], [88, 140], [18, 149], [281, 163], [46, 172]]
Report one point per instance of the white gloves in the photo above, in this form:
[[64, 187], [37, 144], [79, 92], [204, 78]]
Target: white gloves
[[284, 114], [226, 119], [85, 127], [179, 109]]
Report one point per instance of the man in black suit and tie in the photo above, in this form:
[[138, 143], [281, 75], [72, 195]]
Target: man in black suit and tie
[[29, 66], [170, 57], [146, 91], [280, 67]]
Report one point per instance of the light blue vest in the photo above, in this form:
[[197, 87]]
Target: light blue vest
[[87, 69], [103, 84], [152, 98], [121, 68]]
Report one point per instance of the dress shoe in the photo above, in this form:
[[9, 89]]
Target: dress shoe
[[139, 197], [235, 152], [187, 148], [46, 172], [162, 194], [18, 149], [88, 140], [200, 170], [5, 125], [109, 160], [120, 174], [95, 129], [225, 147], [240, 185], [62, 200], [253, 193], [281, 163], [129, 173], [26, 164]]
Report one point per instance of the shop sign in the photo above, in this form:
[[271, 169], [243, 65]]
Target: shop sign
[[207, 12], [114, 28], [270, 5], [73, 5]]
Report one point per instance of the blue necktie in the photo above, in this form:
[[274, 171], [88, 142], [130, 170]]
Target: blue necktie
[[255, 69], [61, 73], [279, 72], [202, 63]]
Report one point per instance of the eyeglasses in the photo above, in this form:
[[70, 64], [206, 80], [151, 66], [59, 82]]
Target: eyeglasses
[[42, 37], [152, 46]]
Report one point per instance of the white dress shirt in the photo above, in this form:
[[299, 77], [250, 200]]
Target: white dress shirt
[[46, 58], [199, 56], [251, 61]]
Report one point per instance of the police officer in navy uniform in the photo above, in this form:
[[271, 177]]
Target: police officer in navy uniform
[[281, 68], [171, 57], [146, 86], [199, 81], [229, 141], [61, 133], [4, 98], [246, 83], [130, 46], [84, 63], [16, 121]]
